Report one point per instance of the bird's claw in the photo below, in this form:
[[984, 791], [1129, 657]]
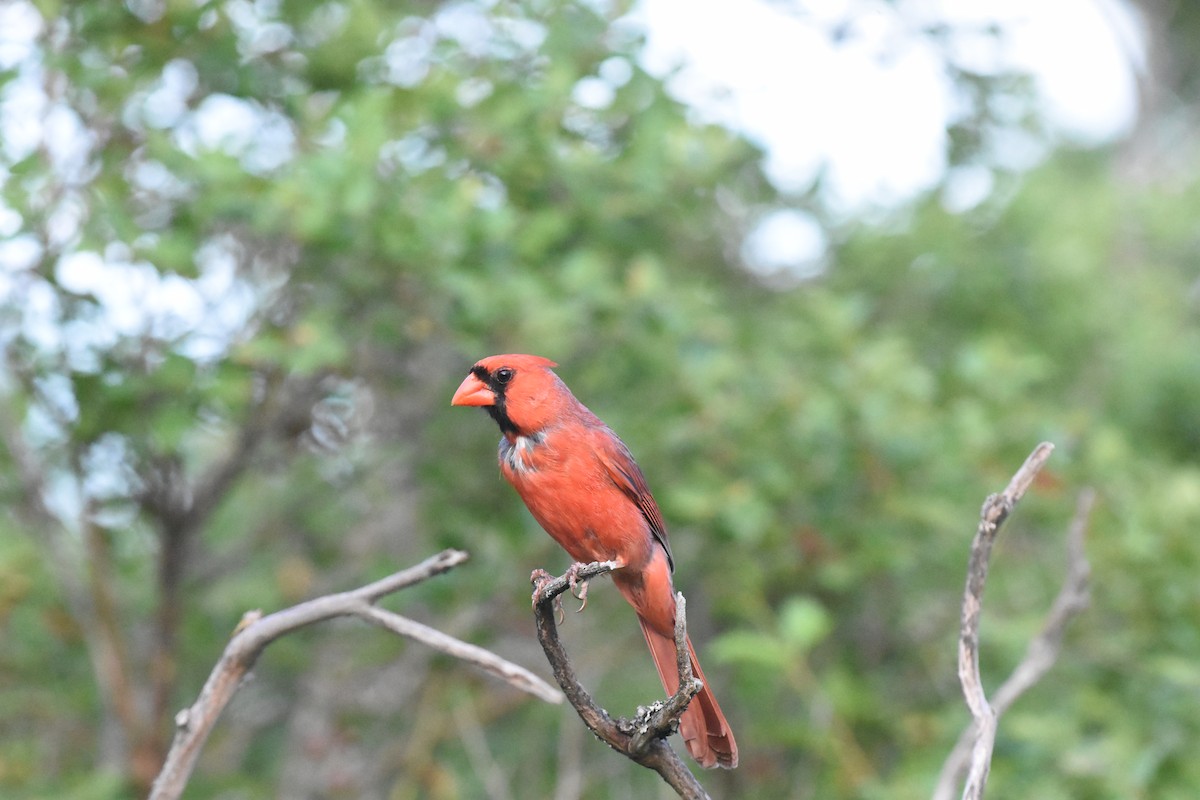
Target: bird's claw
[[579, 588], [582, 597]]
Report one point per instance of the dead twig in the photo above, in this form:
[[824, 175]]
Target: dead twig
[[974, 749], [255, 632], [1043, 650], [643, 739]]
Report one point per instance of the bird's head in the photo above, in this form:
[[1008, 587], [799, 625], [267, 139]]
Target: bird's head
[[518, 391]]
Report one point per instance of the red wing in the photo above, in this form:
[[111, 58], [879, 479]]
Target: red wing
[[628, 477]]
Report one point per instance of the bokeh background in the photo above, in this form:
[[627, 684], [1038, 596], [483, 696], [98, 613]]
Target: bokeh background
[[248, 249]]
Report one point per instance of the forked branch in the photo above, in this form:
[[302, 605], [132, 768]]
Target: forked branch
[[973, 752], [255, 632], [643, 739]]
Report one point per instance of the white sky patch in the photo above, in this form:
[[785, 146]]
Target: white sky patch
[[10, 220], [40, 314], [876, 125], [207, 312], [135, 297], [263, 139], [227, 301], [1083, 54], [787, 244], [167, 104], [20, 24], [735, 62], [593, 93], [19, 253], [22, 105], [966, 187], [68, 142], [873, 109], [221, 122]]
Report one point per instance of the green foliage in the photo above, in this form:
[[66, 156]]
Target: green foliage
[[419, 188]]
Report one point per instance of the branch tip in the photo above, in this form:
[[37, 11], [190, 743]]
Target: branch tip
[[973, 752]]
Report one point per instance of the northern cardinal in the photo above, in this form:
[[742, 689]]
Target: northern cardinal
[[582, 485]]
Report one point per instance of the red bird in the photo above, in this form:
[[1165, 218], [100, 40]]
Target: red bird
[[582, 485]]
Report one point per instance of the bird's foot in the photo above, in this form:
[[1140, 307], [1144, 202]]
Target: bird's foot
[[578, 586], [539, 578]]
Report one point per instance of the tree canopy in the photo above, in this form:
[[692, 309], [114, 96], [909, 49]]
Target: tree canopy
[[249, 249]]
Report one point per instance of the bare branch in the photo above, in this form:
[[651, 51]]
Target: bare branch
[[662, 719], [486, 660], [1043, 649], [643, 740], [255, 632], [995, 511], [1072, 599], [974, 748]]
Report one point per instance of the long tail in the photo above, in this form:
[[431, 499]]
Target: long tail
[[703, 727]]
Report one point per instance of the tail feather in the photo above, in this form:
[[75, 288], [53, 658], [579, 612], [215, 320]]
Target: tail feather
[[705, 732]]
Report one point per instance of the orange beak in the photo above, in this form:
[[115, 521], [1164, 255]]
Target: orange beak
[[473, 392]]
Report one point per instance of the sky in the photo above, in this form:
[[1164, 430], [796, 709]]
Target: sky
[[867, 112], [872, 108]]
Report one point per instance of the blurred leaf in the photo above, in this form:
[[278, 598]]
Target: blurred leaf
[[803, 623], [754, 649]]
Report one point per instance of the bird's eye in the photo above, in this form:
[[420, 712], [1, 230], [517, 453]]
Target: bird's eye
[[504, 375]]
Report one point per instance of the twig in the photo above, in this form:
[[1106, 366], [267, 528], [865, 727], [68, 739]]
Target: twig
[[1072, 599], [662, 719], [255, 632], [486, 660], [995, 511], [1043, 650], [642, 740]]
